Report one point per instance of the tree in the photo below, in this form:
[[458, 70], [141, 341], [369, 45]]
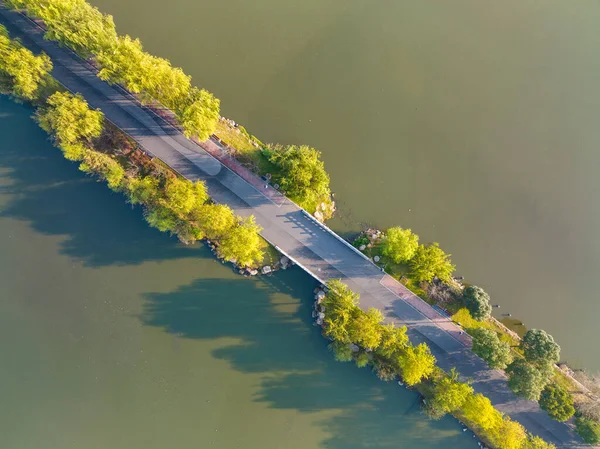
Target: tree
[[365, 328], [557, 402], [362, 359], [588, 430], [478, 409], [429, 262], [183, 196], [539, 347], [161, 218], [526, 380], [488, 346], [142, 190], [416, 363], [399, 244], [214, 219], [477, 302], [510, 435], [105, 167], [450, 394], [534, 442], [393, 341], [340, 308], [243, 243], [69, 118], [26, 71], [301, 174], [199, 114], [341, 351]]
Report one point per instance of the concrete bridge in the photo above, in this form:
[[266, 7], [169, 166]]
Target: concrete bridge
[[315, 248]]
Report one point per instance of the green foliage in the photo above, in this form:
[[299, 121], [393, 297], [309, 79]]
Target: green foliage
[[479, 410], [243, 243], [416, 363], [477, 302], [199, 114], [527, 380], [69, 118], [73, 23], [534, 442], [341, 351], [399, 244], [26, 72], [557, 402], [301, 174], [488, 346], [393, 341], [215, 220], [141, 190], [539, 347], [365, 328], [509, 435], [362, 359], [429, 262], [588, 430], [449, 394], [340, 304], [161, 218], [183, 196], [105, 167]]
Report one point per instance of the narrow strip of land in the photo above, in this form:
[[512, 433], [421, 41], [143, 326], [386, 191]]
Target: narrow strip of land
[[314, 247]]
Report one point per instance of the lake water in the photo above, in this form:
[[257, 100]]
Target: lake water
[[473, 123], [113, 335]]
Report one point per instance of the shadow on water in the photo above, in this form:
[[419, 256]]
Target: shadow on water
[[275, 337], [47, 189]]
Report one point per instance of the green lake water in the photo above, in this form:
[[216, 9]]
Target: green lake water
[[471, 122], [113, 335]]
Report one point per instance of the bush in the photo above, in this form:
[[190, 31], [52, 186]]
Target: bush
[[557, 402], [429, 262], [477, 302], [488, 346], [588, 430], [399, 244], [539, 347]]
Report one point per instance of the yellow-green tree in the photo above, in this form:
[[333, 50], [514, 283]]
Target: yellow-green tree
[[105, 167], [69, 119], [399, 244], [198, 114], [393, 341], [416, 363], [449, 394], [340, 308], [183, 196], [366, 329], [25, 71], [243, 243], [479, 410], [429, 262], [214, 219], [509, 435]]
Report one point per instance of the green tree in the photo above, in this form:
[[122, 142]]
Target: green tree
[[105, 167], [510, 435], [477, 302], [393, 341], [362, 359], [539, 347], [341, 351], [141, 190], [534, 442], [214, 219], [588, 430], [429, 262], [183, 196], [399, 244], [416, 363], [301, 174], [340, 309], [449, 394], [161, 218], [365, 328], [488, 346], [243, 243], [526, 380], [26, 71], [69, 118], [199, 114], [557, 402], [478, 409]]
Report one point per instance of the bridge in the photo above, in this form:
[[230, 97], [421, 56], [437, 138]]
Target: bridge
[[314, 247]]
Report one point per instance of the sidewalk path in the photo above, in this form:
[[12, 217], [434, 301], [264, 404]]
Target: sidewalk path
[[312, 245]]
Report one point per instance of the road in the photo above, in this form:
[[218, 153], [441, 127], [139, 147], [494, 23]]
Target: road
[[311, 245]]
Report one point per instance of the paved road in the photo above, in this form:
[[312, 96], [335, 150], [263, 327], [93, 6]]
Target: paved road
[[320, 252]]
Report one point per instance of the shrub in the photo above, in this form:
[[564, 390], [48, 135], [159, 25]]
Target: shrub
[[557, 402], [477, 302], [588, 430]]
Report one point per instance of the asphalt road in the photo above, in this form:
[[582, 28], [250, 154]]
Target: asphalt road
[[316, 249]]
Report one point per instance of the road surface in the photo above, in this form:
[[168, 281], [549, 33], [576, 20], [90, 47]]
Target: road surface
[[314, 247]]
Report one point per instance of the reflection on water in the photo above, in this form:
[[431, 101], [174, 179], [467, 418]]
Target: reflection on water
[[115, 335]]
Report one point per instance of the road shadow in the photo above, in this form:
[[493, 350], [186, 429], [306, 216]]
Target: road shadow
[[273, 336], [52, 196]]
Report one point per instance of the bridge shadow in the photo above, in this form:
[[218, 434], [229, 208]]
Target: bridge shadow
[[52, 196], [273, 336]]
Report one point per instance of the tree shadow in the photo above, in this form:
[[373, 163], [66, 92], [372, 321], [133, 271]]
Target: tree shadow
[[266, 330], [50, 194]]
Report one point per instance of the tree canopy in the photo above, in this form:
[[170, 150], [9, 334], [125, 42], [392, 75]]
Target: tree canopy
[[557, 402], [588, 430], [365, 328], [242, 243], [393, 341], [26, 72], [416, 363], [399, 244], [526, 380], [429, 262], [69, 118], [488, 346], [539, 347], [477, 301], [449, 394]]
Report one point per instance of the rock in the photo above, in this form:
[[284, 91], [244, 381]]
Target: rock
[[321, 315], [253, 272], [362, 247], [284, 260], [266, 269], [320, 295], [318, 215], [376, 258], [320, 322], [354, 348]]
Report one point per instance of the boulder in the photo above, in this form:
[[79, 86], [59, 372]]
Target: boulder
[[266, 269], [354, 348], [253, 272], [320, 295], [376, 258], [284, 260], [321, 315], [362, 247]]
